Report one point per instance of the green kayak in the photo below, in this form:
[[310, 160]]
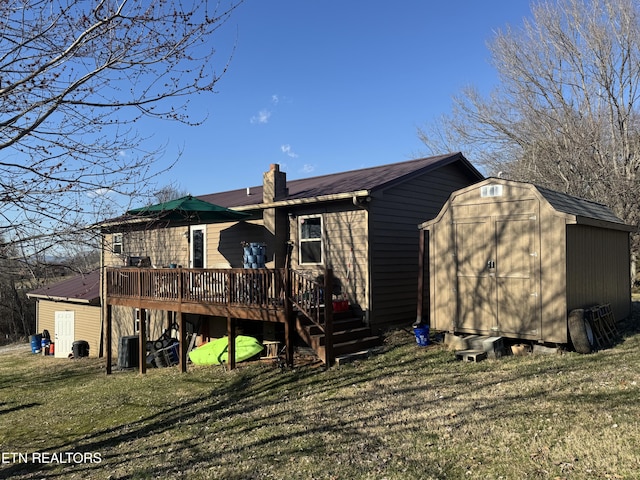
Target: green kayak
[[216, 352]]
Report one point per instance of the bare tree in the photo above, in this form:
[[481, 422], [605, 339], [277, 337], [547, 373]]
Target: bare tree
[[75, 76], [169, 192], [566, 111]]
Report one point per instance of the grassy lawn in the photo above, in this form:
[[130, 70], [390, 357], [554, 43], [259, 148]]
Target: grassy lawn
[[408, 413]]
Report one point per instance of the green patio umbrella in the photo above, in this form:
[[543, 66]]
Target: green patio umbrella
[[189, 209]]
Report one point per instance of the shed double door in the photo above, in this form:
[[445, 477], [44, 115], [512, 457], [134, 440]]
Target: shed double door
[[497, 275]]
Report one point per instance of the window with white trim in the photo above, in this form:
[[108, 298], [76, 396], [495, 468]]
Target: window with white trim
[[311, 247], [116, 243]]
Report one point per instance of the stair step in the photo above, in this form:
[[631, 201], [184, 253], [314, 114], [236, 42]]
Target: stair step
[[340, 325], [342, 336], [355, 345], [349, 335]]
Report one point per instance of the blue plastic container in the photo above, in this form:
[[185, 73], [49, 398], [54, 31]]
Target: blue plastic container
[[422, 335], [174, 353], [36, 343]]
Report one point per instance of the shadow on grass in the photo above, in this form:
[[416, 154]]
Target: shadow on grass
[[5, 408], [263, 415]]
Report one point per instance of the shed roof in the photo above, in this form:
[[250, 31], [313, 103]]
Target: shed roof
[[79, 289], [366, 179], [578, 206], [583, 211]]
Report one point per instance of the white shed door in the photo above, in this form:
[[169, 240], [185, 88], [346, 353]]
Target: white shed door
[[64, 333]]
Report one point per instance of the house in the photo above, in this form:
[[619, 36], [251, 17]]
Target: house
[[70, 311], [360, 224], [512, 259]]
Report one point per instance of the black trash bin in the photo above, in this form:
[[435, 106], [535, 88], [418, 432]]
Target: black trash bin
[[80, 349]]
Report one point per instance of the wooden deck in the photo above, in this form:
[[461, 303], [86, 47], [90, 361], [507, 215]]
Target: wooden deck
[[267, 295], [254, 294]]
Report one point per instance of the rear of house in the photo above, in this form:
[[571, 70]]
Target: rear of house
[[362, 224]]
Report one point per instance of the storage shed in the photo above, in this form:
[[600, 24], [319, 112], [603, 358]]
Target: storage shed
[[70, 311], [511, 259]]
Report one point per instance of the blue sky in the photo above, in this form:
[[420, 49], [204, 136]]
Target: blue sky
[[328, 86]]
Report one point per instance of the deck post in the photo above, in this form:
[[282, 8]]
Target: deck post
[[328, 317], [182, 338], [108, 352], [231, 336], [289, 325], [142, 330], [182, 334]]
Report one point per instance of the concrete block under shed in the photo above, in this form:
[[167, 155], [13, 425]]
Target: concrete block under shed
[[541, 349], [471, 355], [455, 342], [493, 346]]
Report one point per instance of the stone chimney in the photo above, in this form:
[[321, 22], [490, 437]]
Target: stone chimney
[[274, 183]]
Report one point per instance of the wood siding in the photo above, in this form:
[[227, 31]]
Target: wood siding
[[394, 240], [598, 270], [162, 245], [345, 247], [224, 242], [86, 321]]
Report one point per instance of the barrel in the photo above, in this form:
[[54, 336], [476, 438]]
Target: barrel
[[80, 348], [36, 343], [254, 255]]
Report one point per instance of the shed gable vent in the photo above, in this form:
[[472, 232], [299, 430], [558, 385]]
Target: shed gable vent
[[491, 191]]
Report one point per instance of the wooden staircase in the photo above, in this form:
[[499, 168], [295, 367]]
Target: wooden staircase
[[350, 336]]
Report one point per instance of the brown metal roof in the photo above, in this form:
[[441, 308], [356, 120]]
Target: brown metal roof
[[79, 289], [369, 179]]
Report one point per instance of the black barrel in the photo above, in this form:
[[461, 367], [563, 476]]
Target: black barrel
[[80, 348]]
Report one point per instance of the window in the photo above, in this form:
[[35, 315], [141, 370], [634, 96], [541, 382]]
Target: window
[[491, 191], [311, 240], [116, 243]]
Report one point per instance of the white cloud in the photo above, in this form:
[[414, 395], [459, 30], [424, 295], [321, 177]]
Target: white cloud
[[287, 150], [262, 116], [99, 192], [275, 99], [307, 168]]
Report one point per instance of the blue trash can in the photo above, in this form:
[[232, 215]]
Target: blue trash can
[[36, 343], [422, 335]]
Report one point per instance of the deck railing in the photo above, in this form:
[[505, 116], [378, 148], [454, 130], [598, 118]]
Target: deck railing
[[310, 297], [229, 286], [307, 296], [263, 288]]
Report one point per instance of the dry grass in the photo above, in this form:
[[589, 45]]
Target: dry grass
[[407, 413]]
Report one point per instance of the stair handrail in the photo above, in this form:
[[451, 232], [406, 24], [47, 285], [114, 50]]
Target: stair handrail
[[307, 296], [314, 300]]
